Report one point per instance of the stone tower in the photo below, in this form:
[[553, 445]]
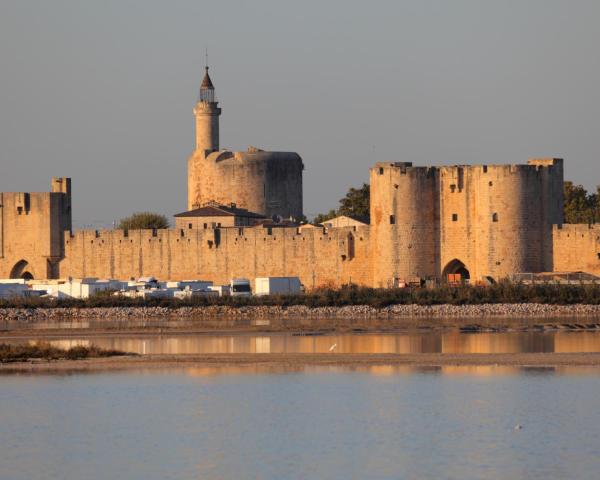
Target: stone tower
[[269, 183], [207, 117], [207, 114], [478, 221]]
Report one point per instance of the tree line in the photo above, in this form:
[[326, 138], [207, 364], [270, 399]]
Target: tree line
[[581, 206]]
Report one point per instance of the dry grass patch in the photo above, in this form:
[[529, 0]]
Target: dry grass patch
[[45, 351]]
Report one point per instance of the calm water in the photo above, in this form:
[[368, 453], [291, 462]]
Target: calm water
[[375, 423], [451, 342]]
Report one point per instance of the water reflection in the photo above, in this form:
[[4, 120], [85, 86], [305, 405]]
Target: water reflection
[[372, 422], [454, 342], [491, 371]]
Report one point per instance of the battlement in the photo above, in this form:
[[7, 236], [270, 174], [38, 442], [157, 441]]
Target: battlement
[[576, 247], [31, 226], [317, 255], [533, 166], [577, 229]]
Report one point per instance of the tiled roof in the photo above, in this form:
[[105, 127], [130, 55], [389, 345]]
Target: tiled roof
[[206, 81], [219, 211]]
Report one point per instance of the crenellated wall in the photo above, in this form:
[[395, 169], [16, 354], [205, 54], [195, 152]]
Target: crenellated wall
[[577, 248], [493, 220], [426, 222], [318, 257], [31, 226], [497, 219]]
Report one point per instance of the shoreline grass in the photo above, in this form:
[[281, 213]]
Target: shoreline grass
[[44, 351], [503, 292]]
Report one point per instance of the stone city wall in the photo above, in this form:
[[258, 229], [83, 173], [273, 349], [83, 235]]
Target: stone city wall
[[318, 257], [577, 248]]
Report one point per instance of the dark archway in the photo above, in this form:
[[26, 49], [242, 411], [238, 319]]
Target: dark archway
[[456, 267], [21, 270]]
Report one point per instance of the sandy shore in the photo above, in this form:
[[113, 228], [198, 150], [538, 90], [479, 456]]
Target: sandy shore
[[296, 360]]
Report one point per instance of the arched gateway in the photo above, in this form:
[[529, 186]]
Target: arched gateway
[[21, 270], [453, 268]]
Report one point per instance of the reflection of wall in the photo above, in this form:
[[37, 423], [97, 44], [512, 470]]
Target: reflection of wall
[[454, 342], [567, 342], [497, 342]]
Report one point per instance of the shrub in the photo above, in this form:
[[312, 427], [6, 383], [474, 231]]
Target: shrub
[[502, 292], [43, 350], [144, 220]]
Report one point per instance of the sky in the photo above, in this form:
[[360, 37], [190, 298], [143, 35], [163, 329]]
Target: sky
[[103, 92]]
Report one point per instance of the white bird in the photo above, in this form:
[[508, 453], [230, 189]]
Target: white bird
[[332, 348], [518, 427]]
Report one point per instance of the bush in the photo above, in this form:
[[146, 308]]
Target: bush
[[503, 292], [144, 221], [43, 350]]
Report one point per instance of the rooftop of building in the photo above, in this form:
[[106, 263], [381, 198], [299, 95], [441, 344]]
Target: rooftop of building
[[217, 210], [350, 218]]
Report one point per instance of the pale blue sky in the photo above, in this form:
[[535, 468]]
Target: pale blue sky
[[103, 91]]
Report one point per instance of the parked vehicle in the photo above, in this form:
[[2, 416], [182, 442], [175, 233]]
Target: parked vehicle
[[277, 286], [240, 287], [222, 290]]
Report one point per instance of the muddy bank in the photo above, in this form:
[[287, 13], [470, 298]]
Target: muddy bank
[[539, 360], [31, 315]]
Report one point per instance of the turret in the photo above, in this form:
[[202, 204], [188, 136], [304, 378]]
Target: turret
[[207, 117]]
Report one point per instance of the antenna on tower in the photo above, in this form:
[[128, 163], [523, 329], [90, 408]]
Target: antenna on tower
[[206, 57]]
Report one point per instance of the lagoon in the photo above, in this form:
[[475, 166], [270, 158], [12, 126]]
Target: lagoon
[[309, 422]]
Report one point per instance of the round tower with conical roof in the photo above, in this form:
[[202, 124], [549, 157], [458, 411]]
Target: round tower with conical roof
[[207, 114], [264, 182]]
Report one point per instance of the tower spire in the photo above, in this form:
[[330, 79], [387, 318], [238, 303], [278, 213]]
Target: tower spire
[[207, 89]]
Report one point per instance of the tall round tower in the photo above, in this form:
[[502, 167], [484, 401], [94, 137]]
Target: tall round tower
[[403, 223], [207, 117], [207, 114], [269, 183]]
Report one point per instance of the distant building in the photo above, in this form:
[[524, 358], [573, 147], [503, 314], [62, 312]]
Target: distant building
[[217, 216], [346, 221]]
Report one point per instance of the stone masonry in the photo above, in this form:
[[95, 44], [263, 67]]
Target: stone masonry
[[474, 221]]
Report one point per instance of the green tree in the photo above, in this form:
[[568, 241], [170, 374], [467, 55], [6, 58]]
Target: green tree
[[580, 207], [144, 220], [356, 203], [323, 217]]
